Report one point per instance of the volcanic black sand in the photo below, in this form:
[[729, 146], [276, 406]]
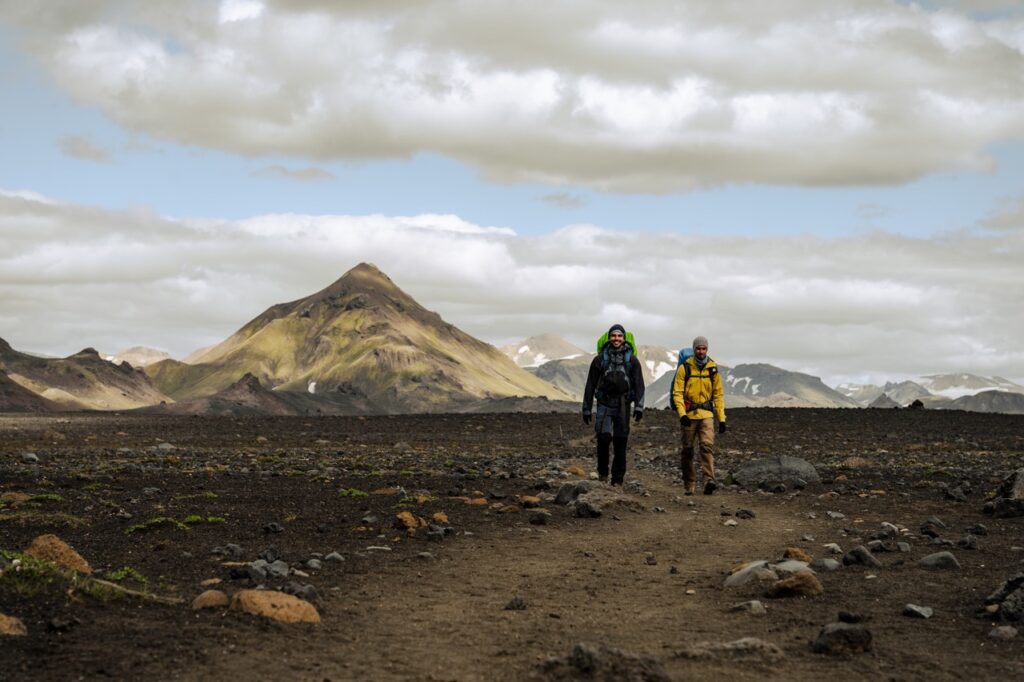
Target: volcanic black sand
[[431, 604]]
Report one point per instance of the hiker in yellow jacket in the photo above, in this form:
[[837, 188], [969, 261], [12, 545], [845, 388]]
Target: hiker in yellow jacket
[[698, 397]]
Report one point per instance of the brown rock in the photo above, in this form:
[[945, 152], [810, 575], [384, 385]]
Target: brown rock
[[477, 501], [576, 471], [803, 584], [11, 626], [210, 582], [51, 548], [410, 521], [529, 501], [14, 499], [440, 517], [509, 509], [798, 554], [275, 605], [211, 599]]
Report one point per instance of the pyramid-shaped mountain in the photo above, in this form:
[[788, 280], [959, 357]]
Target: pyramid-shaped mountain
[[362, 337]]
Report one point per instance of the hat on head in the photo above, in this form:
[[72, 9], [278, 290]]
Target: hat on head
[[700, 341], [618, 328]]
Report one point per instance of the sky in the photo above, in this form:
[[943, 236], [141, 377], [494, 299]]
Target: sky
[[830, 187]]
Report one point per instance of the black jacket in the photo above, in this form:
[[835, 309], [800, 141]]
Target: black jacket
[[636, 386]]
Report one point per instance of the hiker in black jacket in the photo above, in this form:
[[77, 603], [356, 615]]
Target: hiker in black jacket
[[617, 382]]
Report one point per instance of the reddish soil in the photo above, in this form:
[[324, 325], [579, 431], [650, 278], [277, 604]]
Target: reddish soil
[[610, 580]]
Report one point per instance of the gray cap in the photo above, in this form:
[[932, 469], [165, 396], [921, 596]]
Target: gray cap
[[700, 341]]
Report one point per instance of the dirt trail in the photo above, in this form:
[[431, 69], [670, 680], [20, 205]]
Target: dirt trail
[[588, 581]]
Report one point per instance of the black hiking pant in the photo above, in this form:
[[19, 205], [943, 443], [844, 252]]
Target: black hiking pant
[[605, 444]]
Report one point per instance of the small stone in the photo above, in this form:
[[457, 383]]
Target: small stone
[[849, 617], [915, 611], [940, 561], [755, 570], [426, 556], [804, 584], [826, 564], [334, 556], [12, 627], [978, 529], [1003, 632], [314, 564], [840, 639], [273, 527], [691, 592], [903, 546], [275, 605], [835, 515], [651, 560], [673, 570], [731, 523], [745, 514], [861, 555], [968, 542], [29, 458], [539, 517], [833, 548], [51, 548], [210, 582], [517, 603], [210, 599], [798, 554], [753, 607]]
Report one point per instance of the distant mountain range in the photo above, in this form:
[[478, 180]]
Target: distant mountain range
[[362, 346], [762, 385]]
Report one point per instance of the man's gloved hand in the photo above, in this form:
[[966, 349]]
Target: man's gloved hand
[[586, 417], [684, 421], [721, 427], [638, 415]]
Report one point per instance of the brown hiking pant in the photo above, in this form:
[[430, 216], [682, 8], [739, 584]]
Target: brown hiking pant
[[703, 431]]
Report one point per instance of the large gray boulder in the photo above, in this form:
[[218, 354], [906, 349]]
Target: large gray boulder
[[1009, 500], [770, 471]]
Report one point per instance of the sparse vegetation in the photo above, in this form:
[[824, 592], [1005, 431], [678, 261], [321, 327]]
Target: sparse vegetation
[[157, 522], [126, 573], [206, 495], [353, 492]]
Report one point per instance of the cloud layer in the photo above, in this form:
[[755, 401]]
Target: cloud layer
[[667, 95], [871, 307]]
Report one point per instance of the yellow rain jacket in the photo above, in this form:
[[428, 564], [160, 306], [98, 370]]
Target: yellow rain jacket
[[702, 393]]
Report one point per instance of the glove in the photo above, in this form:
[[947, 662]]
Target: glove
[[684, 421], [721, 427], [586, 417], [638, 415]]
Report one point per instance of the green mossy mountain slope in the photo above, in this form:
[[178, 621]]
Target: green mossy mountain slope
[[361, 337]]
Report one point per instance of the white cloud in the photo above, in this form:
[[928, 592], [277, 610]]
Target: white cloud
[[875, 305], [669, 95]]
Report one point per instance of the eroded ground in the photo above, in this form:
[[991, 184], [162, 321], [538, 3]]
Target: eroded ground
[[648, 582]]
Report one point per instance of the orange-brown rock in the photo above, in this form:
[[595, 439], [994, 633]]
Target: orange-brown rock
[[798, 554], [529, 501], [51, 548], [477, 501], [14, 499], [211, 599], [407, 519], [440, 517], [576, 471], [11, 626], [509, 509], [275, 605], [802, 584]]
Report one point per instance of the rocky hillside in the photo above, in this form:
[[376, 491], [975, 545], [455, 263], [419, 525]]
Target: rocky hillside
[[16, 398], [80, 381], [363, 338], [988, 401]]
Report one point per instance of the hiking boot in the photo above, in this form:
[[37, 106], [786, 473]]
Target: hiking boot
[[710, 487], [603, 479], [691, 488]]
